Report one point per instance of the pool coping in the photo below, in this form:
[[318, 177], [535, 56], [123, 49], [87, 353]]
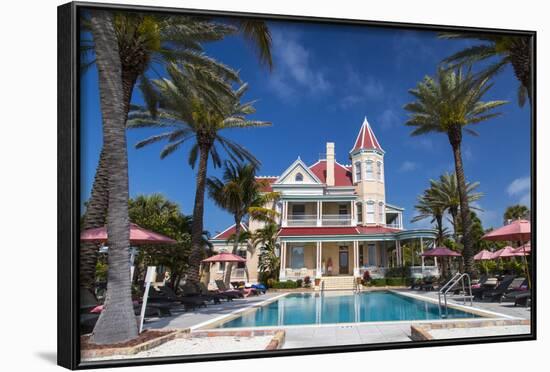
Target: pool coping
[[211, 324]]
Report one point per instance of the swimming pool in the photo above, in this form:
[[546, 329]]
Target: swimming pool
[[314, 308]]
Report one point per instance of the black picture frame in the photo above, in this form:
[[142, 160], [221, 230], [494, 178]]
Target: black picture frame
[[68, 340]]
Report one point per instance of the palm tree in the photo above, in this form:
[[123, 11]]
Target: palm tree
[[450, 103], [269, 261], [445, 193], [517, 212], [503, 50], [239, 192], [143, 41], [117, 322], [428, 208], [197, 105]]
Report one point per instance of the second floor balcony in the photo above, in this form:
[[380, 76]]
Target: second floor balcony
[[324, 220]]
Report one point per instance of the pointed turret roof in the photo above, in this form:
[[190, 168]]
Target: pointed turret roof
[[366, 139]]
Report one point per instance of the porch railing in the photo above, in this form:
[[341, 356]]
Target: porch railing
[[326, 220], [301, 220], [294, 274], [336, 219], [418, 272]]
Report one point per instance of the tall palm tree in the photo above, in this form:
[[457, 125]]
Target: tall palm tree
[[503, 50], [194, 104], [145, 42], [117, 322], [517, 212], [268, 261], [445, 193], [427, 207], [239, 192], [449, 104]]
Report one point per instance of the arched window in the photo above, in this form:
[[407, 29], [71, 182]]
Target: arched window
[[370, 175], [357, 171], [381, 214], [299, 177], [379, 171]]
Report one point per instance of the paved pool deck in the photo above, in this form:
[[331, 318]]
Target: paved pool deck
[[337, 334]]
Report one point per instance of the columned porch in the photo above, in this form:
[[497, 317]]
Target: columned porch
[[323, 256]]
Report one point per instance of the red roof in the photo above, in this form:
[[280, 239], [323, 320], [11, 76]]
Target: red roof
[[342, 175], [366, 138], [224, 235], [376, 230], [266, 183]]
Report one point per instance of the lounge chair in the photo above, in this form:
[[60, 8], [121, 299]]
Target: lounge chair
[[497, 293], [226, 296], [166, 295], [260, 288], [191, 290], [224, 289]]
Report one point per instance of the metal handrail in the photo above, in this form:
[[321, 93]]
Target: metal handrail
[[450, 285]]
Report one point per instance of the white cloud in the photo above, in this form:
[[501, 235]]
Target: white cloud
[[389, 119], [488, 217], [519, 186], [360, 88], [294, 70], [408, 166]]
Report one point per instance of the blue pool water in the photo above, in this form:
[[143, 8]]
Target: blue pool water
[[313, 308]]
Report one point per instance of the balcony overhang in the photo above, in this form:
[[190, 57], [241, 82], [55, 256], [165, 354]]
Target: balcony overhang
[[315, 198]]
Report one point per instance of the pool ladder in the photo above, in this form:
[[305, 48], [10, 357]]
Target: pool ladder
[[458, 278]]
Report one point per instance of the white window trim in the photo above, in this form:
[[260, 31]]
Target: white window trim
[[356, 172], [371, 177], [371, 203]]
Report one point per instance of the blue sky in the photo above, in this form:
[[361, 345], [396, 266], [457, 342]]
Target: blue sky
[[326, 79]]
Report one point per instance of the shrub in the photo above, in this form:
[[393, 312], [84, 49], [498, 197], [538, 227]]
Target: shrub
[[377, 282], [299, 283], [395, 281], [289, 284], [398, 272], [307, 282], [366, 278]]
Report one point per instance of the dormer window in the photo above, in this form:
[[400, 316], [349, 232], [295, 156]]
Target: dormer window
[[358, 171], [299, 177], [370, 175]]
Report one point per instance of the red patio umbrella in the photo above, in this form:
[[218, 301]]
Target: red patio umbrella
[[441, 252], [504, 253], [519, 230], [483, 255], [138, 236], [224, 257], [523, 250]]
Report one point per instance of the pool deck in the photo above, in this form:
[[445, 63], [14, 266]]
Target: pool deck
[[334, 334]]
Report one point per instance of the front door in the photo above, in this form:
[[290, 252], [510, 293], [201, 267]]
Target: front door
[[343, 259]]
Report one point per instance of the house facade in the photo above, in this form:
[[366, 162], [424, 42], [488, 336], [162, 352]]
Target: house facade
[[334, 218]]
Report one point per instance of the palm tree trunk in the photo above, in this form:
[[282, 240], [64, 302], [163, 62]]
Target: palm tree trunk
[[117, 322], [439, 223], [197, 249], [95, 216], [454, 216], [455, 138], [520, 58], [229, 267], [96, 210]]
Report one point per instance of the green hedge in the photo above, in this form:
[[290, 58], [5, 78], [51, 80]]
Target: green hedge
[[388, 282], [378, 282], [289, 284]]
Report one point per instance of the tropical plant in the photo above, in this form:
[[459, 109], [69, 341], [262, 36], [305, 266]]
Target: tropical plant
[[117, 322], [449, 104], [444, 192], [240, 193], [502, 50], [427, 207], [143, 41], [517, 212], [192, 106]]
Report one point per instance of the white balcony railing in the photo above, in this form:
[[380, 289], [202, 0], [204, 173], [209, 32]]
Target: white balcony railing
[[326, 220], [394, 225], [336, 219], [302, 220]]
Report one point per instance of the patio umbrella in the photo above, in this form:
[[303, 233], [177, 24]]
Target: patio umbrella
[[225, 257], [504, 253], [483, 255], [519, 230], [523, 250], [138, 236], [441, 252]]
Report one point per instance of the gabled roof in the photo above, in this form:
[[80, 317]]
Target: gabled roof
[[225, 234], [366, 140], [342, 174], [298, 163]]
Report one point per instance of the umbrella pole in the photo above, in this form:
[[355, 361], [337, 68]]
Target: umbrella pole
[[525, 266]]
